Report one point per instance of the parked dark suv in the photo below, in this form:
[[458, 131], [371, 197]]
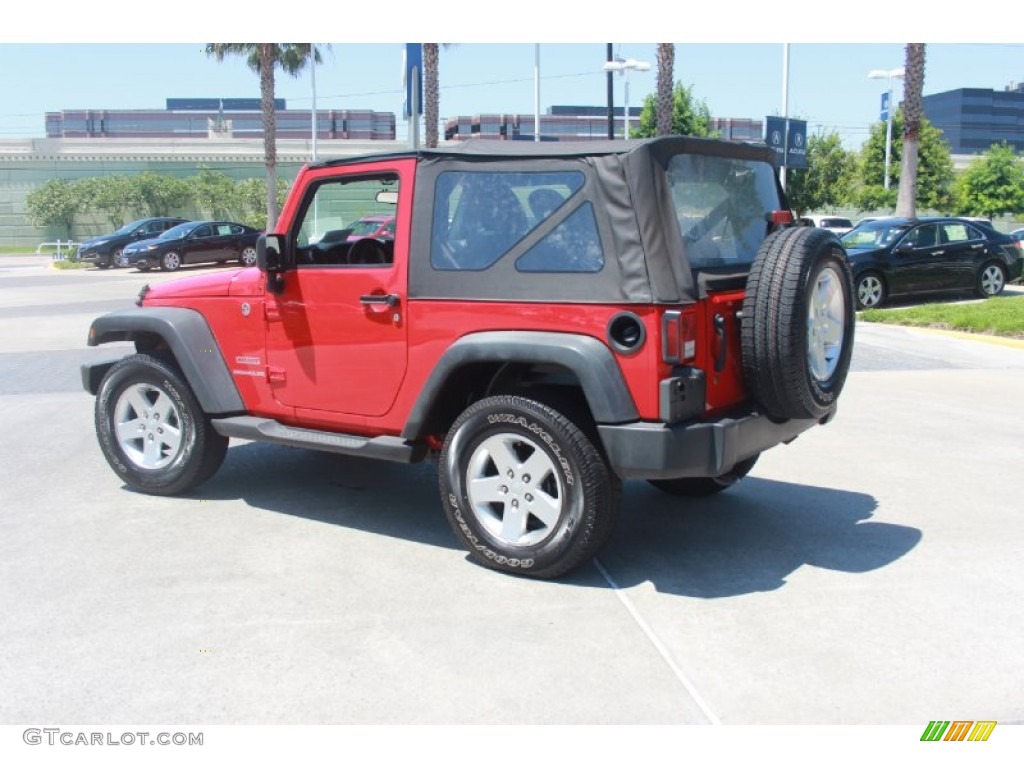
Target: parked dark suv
[[546, 321], [107, 250]]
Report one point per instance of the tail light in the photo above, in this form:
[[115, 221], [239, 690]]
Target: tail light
[[678, 336], [782, 217]]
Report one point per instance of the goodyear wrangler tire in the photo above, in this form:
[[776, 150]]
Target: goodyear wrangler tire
[[524, 489], [798, 323], [152, 430]]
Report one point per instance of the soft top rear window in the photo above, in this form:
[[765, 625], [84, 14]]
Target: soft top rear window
[[723, 207]]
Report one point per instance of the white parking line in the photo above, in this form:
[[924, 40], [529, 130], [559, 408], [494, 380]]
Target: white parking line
[[659, 646]]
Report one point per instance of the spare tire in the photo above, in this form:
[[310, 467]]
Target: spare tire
[[798, 322]]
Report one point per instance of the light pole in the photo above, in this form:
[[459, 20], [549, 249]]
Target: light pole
[[887, 74], [623, 66], [312, 73]]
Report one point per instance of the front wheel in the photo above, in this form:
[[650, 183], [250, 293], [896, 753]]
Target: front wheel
[[152, 430], [170, 261], [248, 256], [706, 486], [991, 280], [870, 291], [524, 489]]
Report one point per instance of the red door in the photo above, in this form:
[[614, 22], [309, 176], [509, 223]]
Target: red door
[[336, 335]]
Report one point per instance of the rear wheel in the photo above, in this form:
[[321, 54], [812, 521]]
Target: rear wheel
[[991, 280], [524, 489], [706, 486], [117, 258], [798, 322], [152, 430], [248, 256]]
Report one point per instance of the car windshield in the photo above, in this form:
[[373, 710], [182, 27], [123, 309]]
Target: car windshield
[[875, 234], [174, 233], [723, 207], [836, 223], [127, 229], [365, 227]]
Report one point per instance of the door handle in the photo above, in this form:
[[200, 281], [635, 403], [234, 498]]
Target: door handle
[[388, 299]]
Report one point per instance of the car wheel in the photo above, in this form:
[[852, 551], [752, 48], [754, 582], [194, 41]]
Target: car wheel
[[706, 486], [170, 261], [524, 489], [152, 430], [798, 322], [870, 291], [248, 256], [991, 280], [117, 258]]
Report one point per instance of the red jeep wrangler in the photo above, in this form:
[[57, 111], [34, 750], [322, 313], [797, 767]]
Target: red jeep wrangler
[[550, 318]]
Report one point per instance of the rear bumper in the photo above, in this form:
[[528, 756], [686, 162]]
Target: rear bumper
[[656, 451]]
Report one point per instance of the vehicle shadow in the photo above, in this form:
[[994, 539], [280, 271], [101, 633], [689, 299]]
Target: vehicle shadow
[[747, 539]]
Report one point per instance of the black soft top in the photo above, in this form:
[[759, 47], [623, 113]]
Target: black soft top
[[487, 149], [626, 183]]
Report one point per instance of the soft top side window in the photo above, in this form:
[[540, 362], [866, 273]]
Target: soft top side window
[[480, 215]]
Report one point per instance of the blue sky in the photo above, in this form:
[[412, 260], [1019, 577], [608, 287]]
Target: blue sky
[[69, 65]]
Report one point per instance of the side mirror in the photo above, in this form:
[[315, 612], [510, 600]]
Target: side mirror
[[270, 260], [268, 254], [904, 248]]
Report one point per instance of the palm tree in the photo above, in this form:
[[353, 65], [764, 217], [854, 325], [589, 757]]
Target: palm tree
[[431, 90], [263, 58], [913, 87], [666, 63]]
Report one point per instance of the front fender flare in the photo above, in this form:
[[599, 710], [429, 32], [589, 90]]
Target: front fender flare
[[188, 335]]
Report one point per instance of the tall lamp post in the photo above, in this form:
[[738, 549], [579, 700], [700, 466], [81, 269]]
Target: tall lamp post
[[623, 66], [887, 74]]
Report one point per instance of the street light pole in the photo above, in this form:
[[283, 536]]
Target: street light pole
[[888, 74], [312, 73], [623, 66]]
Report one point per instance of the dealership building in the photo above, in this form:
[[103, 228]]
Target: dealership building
[[973, 119]]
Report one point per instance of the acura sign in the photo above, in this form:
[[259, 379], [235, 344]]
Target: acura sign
[[790, 146]]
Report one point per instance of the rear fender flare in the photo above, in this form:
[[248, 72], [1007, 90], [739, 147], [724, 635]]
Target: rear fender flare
[[590, 360]]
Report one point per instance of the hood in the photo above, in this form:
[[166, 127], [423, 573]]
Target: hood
[[139, 244], [218, 284]]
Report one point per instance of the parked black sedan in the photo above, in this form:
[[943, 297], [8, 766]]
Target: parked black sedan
[[898, 256], [195, 242], [108, 250]]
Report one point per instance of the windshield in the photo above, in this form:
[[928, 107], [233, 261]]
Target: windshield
[[876, 234], [723, 207], [175, 233], [127, 229], [365, 227]]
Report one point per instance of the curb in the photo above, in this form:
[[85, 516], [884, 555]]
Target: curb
[[999, 341]]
